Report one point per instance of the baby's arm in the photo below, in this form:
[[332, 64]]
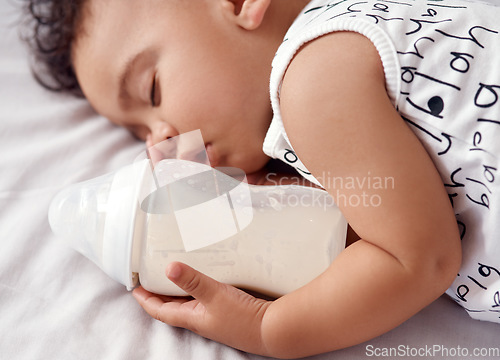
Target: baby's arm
[[341, 122]]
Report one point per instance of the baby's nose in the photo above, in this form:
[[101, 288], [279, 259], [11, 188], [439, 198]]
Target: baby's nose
[[160, 132]]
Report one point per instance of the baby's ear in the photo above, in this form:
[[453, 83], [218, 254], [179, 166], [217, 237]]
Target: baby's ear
[[246, 13]]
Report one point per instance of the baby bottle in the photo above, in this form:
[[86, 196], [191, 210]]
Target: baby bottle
[[173, 206]]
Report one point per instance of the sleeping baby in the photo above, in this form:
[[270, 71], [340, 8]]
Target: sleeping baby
[[365, 90]]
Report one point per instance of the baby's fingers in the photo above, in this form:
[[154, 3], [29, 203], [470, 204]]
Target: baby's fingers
[[196, 284], [182, 312], [175, 311]]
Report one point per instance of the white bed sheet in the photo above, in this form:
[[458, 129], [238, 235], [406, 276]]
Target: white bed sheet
[[54, 303]]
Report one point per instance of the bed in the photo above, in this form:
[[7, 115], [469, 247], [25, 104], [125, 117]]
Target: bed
[[55, 304]]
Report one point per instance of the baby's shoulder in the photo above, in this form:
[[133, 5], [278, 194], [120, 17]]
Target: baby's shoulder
[[336, 64]]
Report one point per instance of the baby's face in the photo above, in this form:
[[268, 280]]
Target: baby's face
[[164, 67]]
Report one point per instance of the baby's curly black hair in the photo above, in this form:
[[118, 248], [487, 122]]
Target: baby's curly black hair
[[50, 31]]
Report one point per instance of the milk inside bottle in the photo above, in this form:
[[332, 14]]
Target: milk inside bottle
[[173, 206]]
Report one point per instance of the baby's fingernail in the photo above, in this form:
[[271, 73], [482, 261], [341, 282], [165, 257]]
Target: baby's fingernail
[[174, 271]]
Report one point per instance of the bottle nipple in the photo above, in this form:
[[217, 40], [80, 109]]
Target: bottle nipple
[[77, 214]]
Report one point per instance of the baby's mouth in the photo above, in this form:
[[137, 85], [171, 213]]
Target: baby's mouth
[[211, 154]]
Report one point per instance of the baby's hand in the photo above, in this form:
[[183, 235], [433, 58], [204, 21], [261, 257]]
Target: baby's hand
[[217, 311]]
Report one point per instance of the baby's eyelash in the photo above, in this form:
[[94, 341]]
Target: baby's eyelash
[[153, 91], [155, 95]]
